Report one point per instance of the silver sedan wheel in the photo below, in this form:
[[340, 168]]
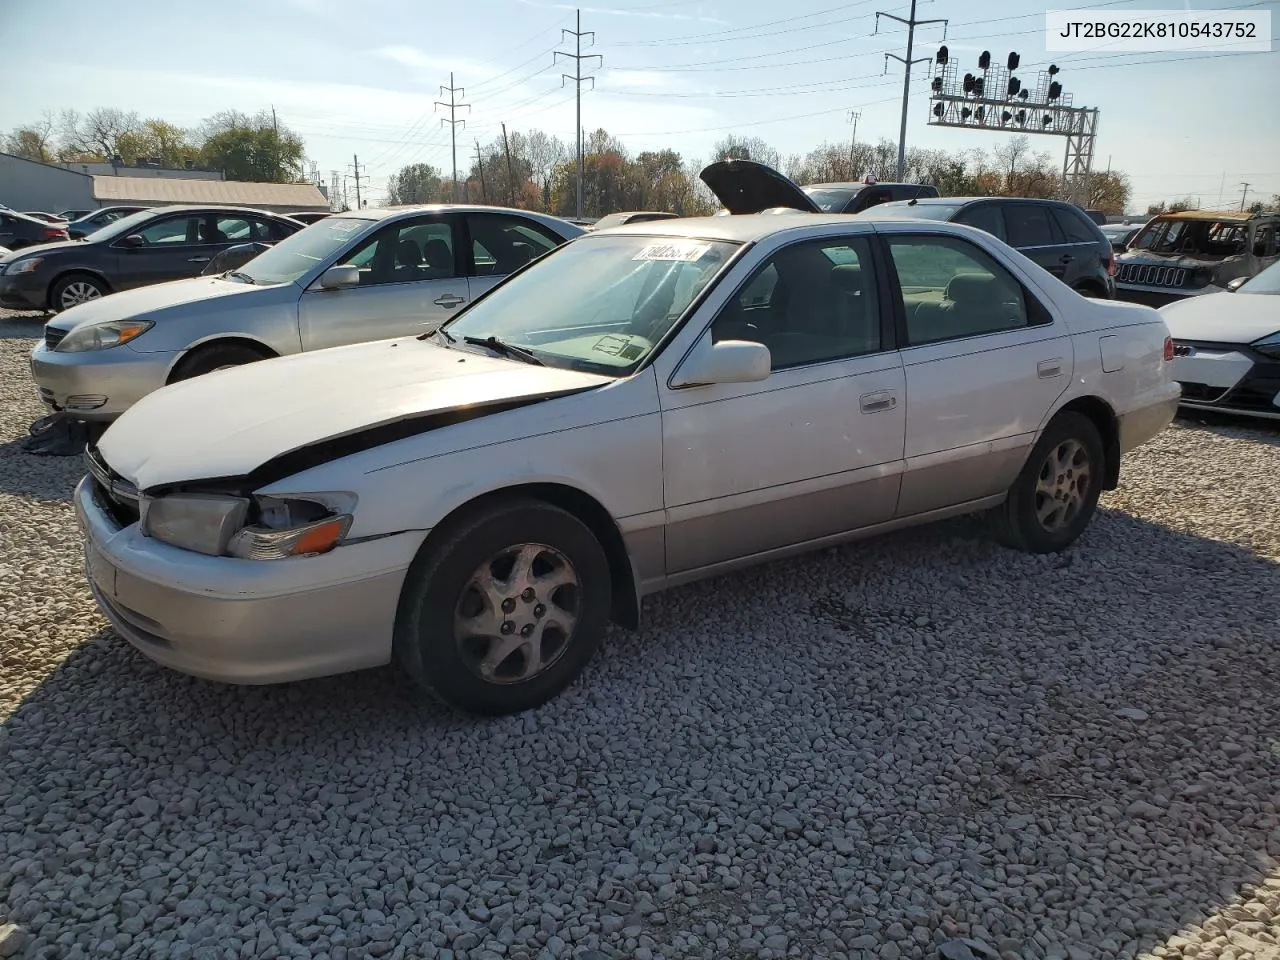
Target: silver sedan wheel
[[78, 291], [1063, 484], [517, 613]]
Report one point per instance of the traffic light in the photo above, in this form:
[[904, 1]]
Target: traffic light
[[1014, 86], [968, 83], [1006, 116], [1014, 60], [1023, 94], [965, 113], [984, 61], [942, 55], [1047, 121], [1021, 117], [981, 112], [1053, 69], [936, 86], [1055, 90], [937, 110], [979, 86]]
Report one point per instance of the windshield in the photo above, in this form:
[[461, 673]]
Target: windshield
[[124, 226], [1200, 238], [598, 304], [295, 256], [830, 200], [904, 210], [1268, 281]]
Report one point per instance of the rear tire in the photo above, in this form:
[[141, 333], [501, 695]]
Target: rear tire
[[1056, 494], [215, 356], [506, 610]]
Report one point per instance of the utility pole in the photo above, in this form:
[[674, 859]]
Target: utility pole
[[853, 141], [1222, 190], [274, 126], [484, 194], [453, 121], [577, 77], [911, 23], [511, 177], [1244, 194], [355, 163]]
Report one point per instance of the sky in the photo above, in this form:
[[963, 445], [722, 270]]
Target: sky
[[362, 79]]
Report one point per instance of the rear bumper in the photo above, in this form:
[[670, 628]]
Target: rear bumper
[[97, 385], [1142, 423]]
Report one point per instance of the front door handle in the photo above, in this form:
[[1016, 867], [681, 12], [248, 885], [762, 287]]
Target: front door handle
[[198, 259], [880, 400], [449, 300], [1048, 369]]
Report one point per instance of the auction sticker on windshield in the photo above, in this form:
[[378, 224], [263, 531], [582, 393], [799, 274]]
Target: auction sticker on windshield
[[676, 251]]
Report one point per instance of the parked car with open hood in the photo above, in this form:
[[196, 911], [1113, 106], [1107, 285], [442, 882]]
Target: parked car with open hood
[[747, 186], [1227, 347], [642, 407], [1195, 252], [144, 248], [345, 279]]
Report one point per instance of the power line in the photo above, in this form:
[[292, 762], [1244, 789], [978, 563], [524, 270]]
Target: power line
[[577, 77], [453, 121]]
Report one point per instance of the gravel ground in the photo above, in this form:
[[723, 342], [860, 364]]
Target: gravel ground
[[863, 753]]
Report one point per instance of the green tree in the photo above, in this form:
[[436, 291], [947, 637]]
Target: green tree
[[256, 149], [415, 183]]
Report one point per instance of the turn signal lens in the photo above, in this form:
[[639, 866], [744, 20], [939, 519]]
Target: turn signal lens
[[262, 543], [1168, 349]]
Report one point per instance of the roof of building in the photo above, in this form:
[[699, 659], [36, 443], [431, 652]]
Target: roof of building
[[157, 190]]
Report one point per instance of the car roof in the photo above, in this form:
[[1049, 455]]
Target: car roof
[[750, 227], [858, 184], [384, 213], [1218, 216]]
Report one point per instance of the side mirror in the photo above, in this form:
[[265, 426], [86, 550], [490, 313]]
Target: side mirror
[[1236, 284], [132, 241], [338, 278], [729, 361]]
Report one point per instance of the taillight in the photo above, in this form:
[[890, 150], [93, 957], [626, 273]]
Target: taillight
[[52, 234], [1168, 349], [1111, 264]]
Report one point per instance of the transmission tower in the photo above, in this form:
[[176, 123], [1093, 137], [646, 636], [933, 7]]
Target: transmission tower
[[911, 23], [453, 107], [577, 57]]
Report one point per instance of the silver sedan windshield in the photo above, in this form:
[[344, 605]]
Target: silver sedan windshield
[[600, 303], [294, 256]]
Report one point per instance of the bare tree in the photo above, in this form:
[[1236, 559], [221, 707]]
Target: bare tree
[[98, 133], [1012, 152]]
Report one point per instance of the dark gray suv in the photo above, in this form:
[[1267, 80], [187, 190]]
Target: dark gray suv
[[1059, 236]]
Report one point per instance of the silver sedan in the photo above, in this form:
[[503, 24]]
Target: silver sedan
[[345, 279]]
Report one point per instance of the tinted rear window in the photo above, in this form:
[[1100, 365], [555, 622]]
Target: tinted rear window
[[830, 201], [984, 216], [1028, 225], [1075, 226], [918, 211]]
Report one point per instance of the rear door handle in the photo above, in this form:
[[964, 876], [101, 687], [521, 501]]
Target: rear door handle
[[1048, 369], [449, 300], [880, 400], [198, 259]]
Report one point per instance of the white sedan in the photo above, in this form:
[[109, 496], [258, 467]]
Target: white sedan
[[641, 408], [1227, 348]]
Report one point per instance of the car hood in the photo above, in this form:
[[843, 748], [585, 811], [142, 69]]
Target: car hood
[[1147, 258], [295, 409], [142, 301], [745, 186], [1223, 317]]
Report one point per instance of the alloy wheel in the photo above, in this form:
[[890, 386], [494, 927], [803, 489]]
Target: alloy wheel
[[517, 613], [78, 291], [1063, 485]]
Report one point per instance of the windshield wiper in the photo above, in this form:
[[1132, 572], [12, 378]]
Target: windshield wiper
[[501, 346], [441, 330], [241, 275]]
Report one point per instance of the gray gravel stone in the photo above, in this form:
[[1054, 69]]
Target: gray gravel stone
[[971, 778]]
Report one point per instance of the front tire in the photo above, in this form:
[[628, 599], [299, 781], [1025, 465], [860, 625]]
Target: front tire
[[75, 289], [215, 356], [506, 610], [1056, 494]]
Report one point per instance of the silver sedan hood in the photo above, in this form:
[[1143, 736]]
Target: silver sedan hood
[[230, 423], [144, 301]]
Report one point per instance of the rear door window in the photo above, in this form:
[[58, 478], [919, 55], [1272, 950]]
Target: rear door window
[[984, 216], [1074, 226], [1030, 225]]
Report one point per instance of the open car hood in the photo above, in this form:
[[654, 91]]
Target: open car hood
[[287, 414], [745, 186]]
